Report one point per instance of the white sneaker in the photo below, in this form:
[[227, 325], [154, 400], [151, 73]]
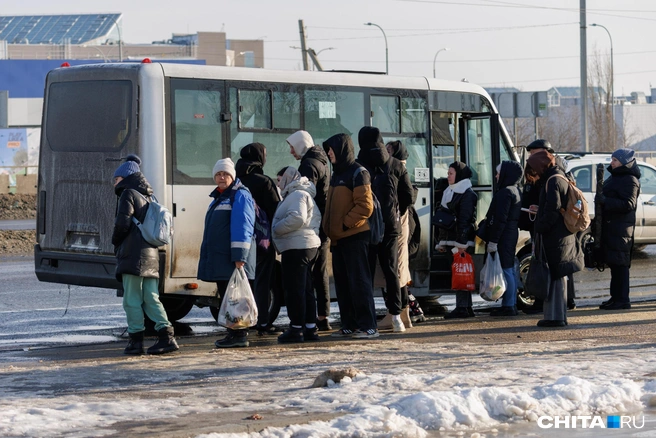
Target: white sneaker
[[397, 326]]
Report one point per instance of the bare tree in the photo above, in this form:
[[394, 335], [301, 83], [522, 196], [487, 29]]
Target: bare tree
[[602, 125], [561, 128]]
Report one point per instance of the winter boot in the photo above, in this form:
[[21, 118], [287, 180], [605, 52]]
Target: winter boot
[[135, 344], [416, 314], [166, 342], [459, 312], [405, 317], [234, 339], [504, 311], [385, 323], [324, 325], [291, 335], [311, 334]]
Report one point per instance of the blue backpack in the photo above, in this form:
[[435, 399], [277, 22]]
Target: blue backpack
[[262, 228], [157, 226], [376, 223]]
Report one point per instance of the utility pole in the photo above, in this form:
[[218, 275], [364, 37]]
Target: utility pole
[[315, 59], [584, 80], [301, 30]]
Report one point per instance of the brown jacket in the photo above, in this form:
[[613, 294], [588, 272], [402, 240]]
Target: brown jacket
[[349, 205], [350, 202]]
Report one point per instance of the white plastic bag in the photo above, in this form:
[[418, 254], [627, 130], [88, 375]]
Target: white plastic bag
[[493, 284], [238, 309]]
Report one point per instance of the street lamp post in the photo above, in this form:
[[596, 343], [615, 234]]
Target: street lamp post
[[435, 58], [120, 40], [612, 80], [386, 52]]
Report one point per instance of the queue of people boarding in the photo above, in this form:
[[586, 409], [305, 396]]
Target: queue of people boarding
[[309, 211]]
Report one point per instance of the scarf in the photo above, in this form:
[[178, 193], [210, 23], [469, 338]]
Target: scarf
[[459, 187]]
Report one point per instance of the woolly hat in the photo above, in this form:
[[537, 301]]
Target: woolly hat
[[130, 166], [301, 141], [224, 165], [540, 144], [462, 170], [624, 155]]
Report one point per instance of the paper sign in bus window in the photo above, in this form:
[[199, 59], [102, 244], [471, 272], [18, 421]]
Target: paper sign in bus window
[[421, 174], [327, 110]]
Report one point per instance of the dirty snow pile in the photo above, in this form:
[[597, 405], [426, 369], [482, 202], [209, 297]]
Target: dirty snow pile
[[405, 389]]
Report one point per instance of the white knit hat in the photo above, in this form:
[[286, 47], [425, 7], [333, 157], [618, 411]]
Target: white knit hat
[[224, 165]]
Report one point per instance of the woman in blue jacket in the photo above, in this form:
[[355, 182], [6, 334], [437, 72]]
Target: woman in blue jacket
[[228, 239]]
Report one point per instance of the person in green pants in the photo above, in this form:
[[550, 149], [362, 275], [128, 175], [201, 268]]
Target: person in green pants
[[137, 262]]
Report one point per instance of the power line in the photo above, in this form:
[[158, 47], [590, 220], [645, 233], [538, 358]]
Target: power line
[[444, 32], [521, 6], [532, 59], [455, 30]]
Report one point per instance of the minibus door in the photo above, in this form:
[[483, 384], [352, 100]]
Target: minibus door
[[198, 137], [479, 143]]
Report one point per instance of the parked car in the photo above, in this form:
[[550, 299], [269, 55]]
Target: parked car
[[584, 170]]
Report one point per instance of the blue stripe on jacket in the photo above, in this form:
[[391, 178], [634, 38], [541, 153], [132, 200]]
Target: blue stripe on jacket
[[228, 235]]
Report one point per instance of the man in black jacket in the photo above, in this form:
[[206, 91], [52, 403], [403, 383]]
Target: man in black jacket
[[314, 166], [395, 196], [249, 170]]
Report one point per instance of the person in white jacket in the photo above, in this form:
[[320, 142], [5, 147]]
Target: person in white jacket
[[295, 234]]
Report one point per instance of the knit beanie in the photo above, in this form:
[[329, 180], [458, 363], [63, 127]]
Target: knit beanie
[[624, 155], [224, 165], [462, 170], [301, 141], [130, 166]]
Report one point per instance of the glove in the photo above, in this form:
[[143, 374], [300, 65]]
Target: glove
[[440, 248], [600, 198], [491, 247]]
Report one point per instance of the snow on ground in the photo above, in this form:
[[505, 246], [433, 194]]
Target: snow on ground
[[405, 389]]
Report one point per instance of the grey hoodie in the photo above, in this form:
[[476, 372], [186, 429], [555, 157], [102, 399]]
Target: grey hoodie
[[297, 220]]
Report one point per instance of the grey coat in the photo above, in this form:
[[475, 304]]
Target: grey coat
[[297, 219]]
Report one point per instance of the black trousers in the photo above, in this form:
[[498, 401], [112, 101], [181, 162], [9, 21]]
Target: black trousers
[[320, 277], [355, 294], [222, 286], [297, 282], [387, 254], [265, 260], [619, 283]]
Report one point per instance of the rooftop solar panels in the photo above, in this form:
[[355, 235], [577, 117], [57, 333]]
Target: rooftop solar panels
[[56, 29]]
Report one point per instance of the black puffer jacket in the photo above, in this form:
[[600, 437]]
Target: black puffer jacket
[[249, 171], [621, 193], [463, 206], [503, 214], [134, 255], [374, 157], [314, 166], [564, 255]]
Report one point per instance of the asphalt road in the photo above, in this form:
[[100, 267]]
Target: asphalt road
[[38, 315]]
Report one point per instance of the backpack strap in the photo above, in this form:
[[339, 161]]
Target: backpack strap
[[560, 176]]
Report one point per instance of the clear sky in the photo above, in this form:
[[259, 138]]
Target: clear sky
[[528, 44]]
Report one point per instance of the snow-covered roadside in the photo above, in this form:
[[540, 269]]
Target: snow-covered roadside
[[406, 388]]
